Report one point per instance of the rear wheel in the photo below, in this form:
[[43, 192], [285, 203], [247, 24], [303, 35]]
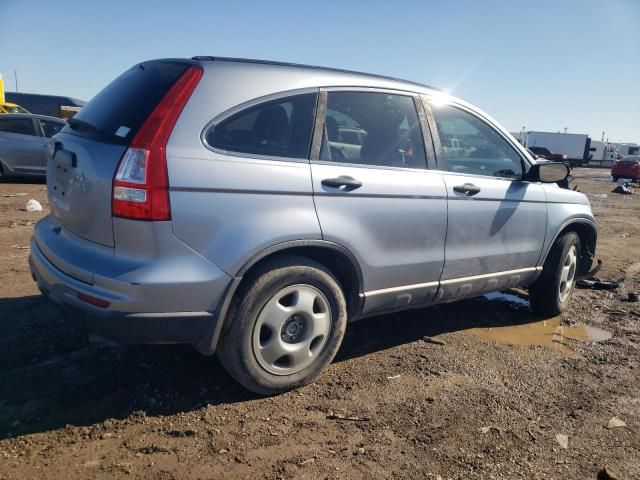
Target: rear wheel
[[286, 326], [615, 179], [551, 292]]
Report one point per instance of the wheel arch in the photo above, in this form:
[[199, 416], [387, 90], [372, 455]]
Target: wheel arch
[[588, 234], [338, 259]]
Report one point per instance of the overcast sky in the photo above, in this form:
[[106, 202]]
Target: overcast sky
[[545, 64]]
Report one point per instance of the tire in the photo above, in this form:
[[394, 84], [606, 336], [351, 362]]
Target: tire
[[285, 326], [615, 179], [551, 292]]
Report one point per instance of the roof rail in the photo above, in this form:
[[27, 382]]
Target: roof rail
[[315, 67]]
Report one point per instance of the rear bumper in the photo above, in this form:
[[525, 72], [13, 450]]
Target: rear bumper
[[140, 312], [625, 172]]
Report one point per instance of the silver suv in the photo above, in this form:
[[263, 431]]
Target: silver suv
[[252, 208]]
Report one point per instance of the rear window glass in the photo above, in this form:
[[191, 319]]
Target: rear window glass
[[120, 109], [51, 128]]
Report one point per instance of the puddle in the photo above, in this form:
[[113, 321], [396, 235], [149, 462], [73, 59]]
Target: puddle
[[545, 333]]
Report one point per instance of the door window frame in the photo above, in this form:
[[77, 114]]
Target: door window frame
[[318, 131], [427, 100]]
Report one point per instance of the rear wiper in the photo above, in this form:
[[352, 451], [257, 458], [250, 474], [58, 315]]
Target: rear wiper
[[78, 124]]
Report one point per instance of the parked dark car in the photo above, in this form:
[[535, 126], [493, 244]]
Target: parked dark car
[[543, 152], [25, 143], [52, 105]]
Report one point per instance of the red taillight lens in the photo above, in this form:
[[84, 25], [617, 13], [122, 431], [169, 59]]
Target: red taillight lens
[[141, 183]]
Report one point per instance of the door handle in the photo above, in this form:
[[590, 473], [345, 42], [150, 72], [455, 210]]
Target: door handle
[[469, 189], [343, 182]]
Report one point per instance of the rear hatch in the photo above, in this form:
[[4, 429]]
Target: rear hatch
[[88, 150]]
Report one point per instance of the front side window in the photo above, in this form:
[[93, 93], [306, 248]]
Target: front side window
[[50, 128], [23, 126], [279, 128], [376, 129], [470, 146]]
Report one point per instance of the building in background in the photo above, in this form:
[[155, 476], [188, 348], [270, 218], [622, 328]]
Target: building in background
[[52, 105]]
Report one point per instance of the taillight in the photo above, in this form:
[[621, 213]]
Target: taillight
[[141, 182]]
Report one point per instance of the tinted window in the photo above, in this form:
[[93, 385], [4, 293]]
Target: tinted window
[[121, 108], [51, 128], [280, 128], [372, 129], [17, 125], [470, 146]]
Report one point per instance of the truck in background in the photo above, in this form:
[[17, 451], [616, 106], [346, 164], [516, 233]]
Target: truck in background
[[623, 149], [574, 145], [601, 154], [51, 105]]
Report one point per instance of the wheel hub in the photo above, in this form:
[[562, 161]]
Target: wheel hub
[[293, 329]]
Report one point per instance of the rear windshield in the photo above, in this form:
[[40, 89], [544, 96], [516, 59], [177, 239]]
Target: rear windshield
[[116, 113]]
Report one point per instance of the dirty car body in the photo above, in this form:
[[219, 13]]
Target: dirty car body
[[403, 195]]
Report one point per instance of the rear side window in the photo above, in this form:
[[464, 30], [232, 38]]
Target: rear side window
[[376, 129], [23, 126], [50, 128], [119, 110], [470, 146], [279, 128]]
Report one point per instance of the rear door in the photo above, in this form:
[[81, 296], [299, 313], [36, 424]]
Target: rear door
[[21, 149], [375, 196], [496, 222], [88, 149]]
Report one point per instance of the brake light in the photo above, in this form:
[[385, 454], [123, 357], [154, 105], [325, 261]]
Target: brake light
[[141, 182]]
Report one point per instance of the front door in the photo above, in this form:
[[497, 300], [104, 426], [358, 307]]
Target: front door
[[497, 222], [374, 194]]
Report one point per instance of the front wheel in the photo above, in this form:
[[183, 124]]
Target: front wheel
[[285, 326], [551, 292]]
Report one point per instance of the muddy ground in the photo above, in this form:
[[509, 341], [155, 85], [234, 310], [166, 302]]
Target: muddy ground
[[492, 401]]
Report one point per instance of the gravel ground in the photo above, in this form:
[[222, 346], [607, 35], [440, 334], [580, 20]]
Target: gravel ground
[[478, 389]]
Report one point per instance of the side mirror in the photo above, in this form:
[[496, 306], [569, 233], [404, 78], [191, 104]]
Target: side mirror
[[552, 172]]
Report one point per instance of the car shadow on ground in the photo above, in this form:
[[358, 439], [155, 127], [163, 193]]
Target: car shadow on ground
[[52, 376], [24, 180]]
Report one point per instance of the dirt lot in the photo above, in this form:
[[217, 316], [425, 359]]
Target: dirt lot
[[492, 401]]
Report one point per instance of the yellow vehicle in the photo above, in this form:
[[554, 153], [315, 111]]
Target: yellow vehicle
[[6, 107]]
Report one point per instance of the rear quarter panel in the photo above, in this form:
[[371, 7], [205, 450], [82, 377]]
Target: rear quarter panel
[[230, 208]]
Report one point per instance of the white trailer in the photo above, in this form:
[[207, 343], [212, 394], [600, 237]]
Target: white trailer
[[627, 148], [574, 145], [601, 154]]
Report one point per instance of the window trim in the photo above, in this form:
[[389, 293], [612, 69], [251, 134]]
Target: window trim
[[421, 113], [427, 100], [221, 117]]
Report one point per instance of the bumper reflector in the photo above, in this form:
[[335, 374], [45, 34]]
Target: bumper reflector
[[98, 302]]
